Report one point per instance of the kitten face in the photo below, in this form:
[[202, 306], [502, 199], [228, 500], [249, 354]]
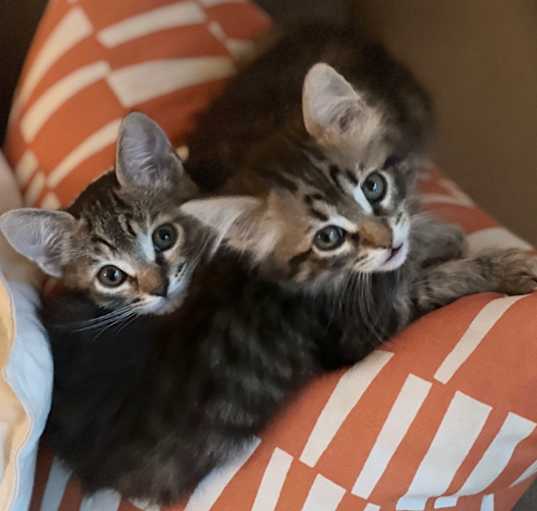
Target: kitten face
[[340, 219], [131, 249], [123, 242], [321, 206]]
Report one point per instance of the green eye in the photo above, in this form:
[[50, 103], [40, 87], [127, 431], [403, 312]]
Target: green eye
[[375, 187], [329, 238], [111, 276], [164, 237]]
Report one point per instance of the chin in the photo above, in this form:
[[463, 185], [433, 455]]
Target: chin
[[393, 262], [163, 306], [167, 305], [160, 306]]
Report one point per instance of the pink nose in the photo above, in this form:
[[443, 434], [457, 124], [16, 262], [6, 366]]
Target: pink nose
[[161, 290], [151, 281], [376, 234]]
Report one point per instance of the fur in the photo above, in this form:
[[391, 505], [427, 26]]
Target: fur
[[149, 407]]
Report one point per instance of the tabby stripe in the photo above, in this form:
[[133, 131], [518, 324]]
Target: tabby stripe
[[351, 177], [98, 239], [334, 174], [119, 201], [131, 230], [311, 198], [284, 182], [318, 214], [308, 199], [125, 222], [296, 261]]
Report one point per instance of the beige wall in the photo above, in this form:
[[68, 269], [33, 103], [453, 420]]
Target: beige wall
[[479, 60]]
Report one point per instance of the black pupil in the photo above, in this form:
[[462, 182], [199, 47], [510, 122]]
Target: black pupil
[[329, 236], [113, 275], [372, 185], [164, 237]]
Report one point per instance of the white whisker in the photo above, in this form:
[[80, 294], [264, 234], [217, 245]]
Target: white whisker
[[118, 321], [98, 321]]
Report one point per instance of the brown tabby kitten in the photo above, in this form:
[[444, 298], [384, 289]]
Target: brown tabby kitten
[[324, 198], [122, 242]]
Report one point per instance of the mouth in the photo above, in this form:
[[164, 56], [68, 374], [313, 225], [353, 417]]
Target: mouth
[[395, 251], [396, 257]]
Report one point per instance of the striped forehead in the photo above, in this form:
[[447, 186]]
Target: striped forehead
[[122, 233], [327, 213], [348, 182]]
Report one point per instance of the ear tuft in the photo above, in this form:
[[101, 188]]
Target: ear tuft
[[39, 235], [334, 113], [145, 157], [241, 220], [222, 214]]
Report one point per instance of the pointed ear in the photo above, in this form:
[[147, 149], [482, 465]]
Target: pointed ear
[[334, 113], [39, 235], [223, 214], [145, 157], [240, 219]]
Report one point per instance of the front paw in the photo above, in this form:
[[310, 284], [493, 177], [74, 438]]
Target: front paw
[[454, 241], [447, 242], [515, 270]]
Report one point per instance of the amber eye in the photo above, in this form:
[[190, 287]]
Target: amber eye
[[374, 187], [330, 237], [164, 237], [111, 276]]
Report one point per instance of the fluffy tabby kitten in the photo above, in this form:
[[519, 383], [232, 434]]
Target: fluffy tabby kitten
[[316, 178], [122, 242], [148, 405]]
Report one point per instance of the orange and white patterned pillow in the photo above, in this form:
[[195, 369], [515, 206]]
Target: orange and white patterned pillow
[[94, 60], [443, 417]]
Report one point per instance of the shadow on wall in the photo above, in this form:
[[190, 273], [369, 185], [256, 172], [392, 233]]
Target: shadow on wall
[[18, 20], [479, 60], [477, 57]]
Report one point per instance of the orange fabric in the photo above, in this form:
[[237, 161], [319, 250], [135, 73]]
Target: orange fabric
[[87, 82], [447, 409]]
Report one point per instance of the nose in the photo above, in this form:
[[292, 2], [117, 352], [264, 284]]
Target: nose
[[161, 290], [152, 281], [376, 234]]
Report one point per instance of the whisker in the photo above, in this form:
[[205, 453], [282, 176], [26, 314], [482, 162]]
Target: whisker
[[98, 321], [128, 315]]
